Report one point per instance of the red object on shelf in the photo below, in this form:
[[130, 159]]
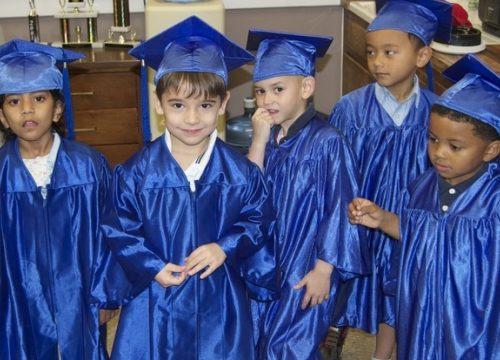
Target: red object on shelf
[[460, 16]]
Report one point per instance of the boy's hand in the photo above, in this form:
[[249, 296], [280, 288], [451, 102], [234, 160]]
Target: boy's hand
[[208, 257], [262, 122], [364, 212], [171, 274], [106, 315], [317, 283]]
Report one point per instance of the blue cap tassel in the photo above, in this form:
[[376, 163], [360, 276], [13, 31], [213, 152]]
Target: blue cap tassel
[[146, 127], [70, 126], [430, 76]]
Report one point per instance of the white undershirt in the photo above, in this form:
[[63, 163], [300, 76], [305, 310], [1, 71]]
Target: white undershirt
[[41, 167], [195, 170]]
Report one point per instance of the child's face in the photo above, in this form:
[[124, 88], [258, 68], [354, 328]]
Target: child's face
[[393, 60], [284, 97], [30, 116], [455, 151], [190, 120]]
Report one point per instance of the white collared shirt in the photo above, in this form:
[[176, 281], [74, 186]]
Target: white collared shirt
[[398, 110], [41, 167], [195, 170]]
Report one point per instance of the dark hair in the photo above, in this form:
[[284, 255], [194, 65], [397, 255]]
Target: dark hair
[[196, 84], [59, 127], [416, 41], [482, 130]]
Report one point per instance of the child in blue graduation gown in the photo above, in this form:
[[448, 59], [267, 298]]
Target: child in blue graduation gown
[[311, 172], [386, 123], [449, 226], [52, 195], [191, 218]]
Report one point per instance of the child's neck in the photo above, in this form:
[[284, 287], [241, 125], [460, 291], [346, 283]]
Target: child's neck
[[33, 149], [402, 90], [185, 155]]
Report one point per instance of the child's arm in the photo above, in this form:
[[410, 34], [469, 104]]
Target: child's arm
[[367, 213], [262, 124], [208, 257], [317, 283]]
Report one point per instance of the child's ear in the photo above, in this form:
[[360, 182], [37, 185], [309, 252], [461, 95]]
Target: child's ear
[[58, 111], [424, 55], [308, 86], [158, 107], [5, 123], [223, 105], [492, 151]]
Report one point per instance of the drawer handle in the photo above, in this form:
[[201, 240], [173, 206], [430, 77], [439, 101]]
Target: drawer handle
[[82, 130], [83, 93]]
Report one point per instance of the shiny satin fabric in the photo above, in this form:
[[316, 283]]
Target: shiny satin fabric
[[312, 177], [47, 254], [159, 220], [389, 158], [450, 270]]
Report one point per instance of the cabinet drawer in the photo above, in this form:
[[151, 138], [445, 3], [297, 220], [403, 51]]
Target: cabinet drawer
[[104, 90], [114, 126]]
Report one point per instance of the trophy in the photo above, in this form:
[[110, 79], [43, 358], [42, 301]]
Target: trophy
[[121, 34], [77, 9]]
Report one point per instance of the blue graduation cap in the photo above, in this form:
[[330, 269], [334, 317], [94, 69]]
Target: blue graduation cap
[[285, 54], [476, 92], [426, 19], [28, 67], [189, 46]]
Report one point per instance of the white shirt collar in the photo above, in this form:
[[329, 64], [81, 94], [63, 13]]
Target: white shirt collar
[[195, 170]]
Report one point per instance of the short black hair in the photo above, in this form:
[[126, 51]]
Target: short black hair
[[59, 126], [482, 130], [415, 40], [197, 84]]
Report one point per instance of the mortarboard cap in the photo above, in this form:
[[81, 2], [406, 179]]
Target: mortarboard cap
[[191, 46], [476, 92], [28, 67], [426, 19], [285, 54]]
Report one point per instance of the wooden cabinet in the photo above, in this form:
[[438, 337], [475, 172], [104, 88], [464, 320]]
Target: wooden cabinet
[[106, 102]]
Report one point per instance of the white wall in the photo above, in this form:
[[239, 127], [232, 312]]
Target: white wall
[[20, 8]]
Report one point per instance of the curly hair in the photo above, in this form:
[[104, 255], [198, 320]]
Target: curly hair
[[482, 130]]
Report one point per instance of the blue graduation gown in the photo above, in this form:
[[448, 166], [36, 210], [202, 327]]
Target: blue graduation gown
[[159, 220], [449, 289], [47, 255], [313, 177], [389, 158]]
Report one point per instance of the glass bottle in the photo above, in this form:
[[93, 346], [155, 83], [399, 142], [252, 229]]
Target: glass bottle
[[239, 129]]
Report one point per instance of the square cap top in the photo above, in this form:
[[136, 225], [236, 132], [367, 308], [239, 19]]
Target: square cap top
[[285, 54], [191, 46], [426, 19], [28, 67], [476, 92]]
